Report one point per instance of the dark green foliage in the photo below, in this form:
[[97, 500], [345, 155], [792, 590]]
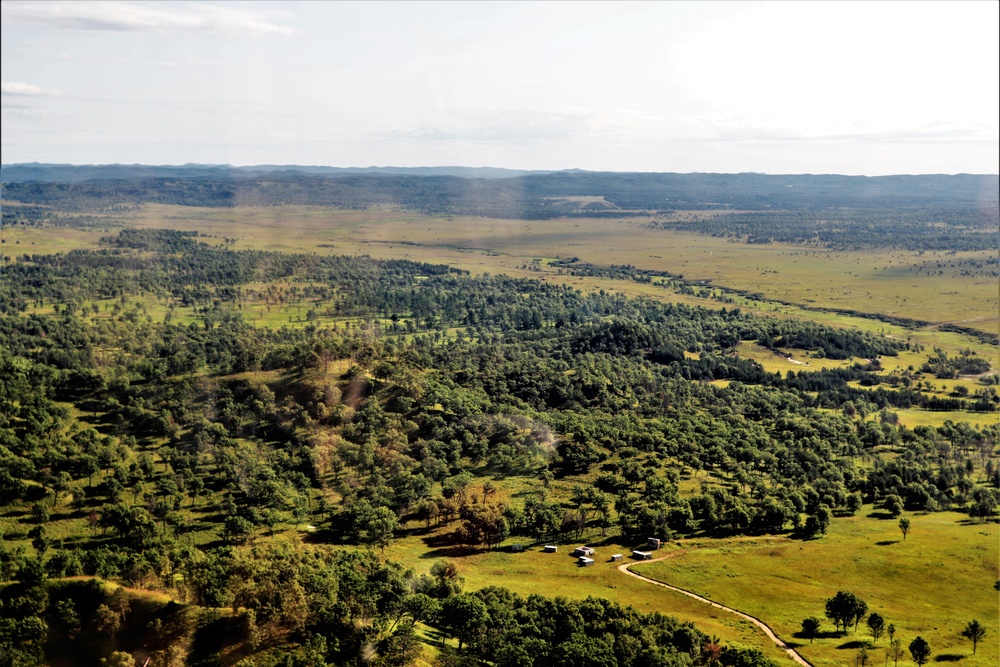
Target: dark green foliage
[[920, 650], [810, 626], [975, 633], [845, 609]]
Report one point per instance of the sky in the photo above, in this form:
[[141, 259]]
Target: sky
[[787, 87]]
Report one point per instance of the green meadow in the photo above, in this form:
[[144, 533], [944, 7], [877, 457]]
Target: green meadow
[[942, 576]]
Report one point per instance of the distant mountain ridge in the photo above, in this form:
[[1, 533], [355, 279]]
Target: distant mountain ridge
[[69, 173]]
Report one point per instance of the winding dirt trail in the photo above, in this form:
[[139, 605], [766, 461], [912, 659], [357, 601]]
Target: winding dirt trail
[[792, 653]]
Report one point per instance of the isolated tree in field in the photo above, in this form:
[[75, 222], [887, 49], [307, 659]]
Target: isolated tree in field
[[904, 525], [810, 626], [844, 609], [876, 626], [920, 650], [895, 651], [975, 633]]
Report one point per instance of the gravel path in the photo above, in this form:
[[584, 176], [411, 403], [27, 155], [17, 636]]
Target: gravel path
[[792, 653]]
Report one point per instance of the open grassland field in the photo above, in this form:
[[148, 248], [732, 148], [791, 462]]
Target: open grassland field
[[534, 572], [932, 584], [937, 287]]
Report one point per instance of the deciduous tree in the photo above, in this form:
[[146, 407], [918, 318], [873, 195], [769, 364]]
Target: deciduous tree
[[876, 626], [974, 632]]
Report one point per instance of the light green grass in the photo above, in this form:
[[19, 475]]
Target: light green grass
[[535, 572], [931, 585], [913, 417]]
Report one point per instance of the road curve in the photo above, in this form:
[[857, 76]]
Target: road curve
[[792, 653]]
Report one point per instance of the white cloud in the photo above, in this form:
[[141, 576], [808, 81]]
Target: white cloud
[[20, 89], [169, 18]]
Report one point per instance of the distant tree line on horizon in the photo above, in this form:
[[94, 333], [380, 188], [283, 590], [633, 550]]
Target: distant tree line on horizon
[[913, 212]]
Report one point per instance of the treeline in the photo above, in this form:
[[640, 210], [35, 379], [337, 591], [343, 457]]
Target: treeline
[[927, 227], [915, 212]]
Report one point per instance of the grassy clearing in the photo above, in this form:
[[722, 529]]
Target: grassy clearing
[[914, 417], [535, 572], [788, 360], [930, 585]]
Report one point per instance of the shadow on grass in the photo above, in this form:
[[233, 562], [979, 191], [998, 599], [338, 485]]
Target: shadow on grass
[[448, 552], [435, 638], [885, 516], [949, 657], [885, 543], [818, 635], [322, 536], [856, 644]]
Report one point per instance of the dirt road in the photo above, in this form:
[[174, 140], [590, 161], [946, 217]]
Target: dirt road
[[792, 653]]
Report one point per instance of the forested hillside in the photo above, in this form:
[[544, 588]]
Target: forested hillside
[[185, 452]]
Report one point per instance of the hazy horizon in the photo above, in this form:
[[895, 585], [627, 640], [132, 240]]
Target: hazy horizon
[[472, 167]]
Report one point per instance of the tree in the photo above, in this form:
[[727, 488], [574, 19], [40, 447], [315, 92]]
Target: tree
[[845, 608], [119, 601], [377, 530], [895, 651], [118, 659], [66, 613], [975, 633], [810, 626], [920, 650], [39, 540], [820, 521], [904, 525], [463, 616], [237, 528], [108, 621], [876, 626], [893, 504]]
